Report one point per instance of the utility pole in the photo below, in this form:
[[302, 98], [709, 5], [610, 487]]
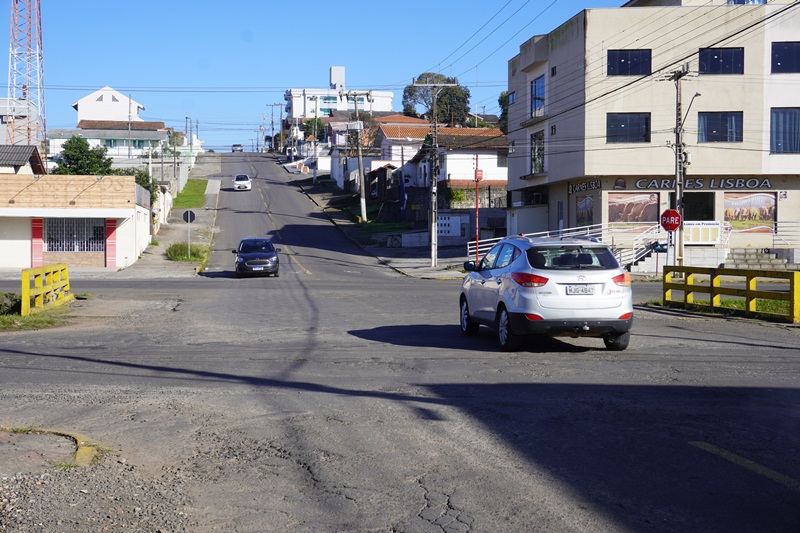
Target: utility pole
[[681, 157], [358, 129], [316, 118], [434, 210], [272, 124]]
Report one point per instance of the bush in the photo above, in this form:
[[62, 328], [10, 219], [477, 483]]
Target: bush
[[10, 304]]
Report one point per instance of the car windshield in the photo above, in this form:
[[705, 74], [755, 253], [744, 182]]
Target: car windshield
[[249, 247], [242, 177], [571, 258]]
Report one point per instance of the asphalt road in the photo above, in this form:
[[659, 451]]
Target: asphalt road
[[341, 396]]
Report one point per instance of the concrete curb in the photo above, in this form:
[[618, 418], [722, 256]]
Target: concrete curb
[[85, 448]]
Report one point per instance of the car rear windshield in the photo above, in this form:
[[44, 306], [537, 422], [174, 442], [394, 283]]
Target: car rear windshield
[[572, 258], [251, 247]]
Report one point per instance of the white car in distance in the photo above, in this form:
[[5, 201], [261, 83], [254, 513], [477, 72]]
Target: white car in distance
[[241, 182]]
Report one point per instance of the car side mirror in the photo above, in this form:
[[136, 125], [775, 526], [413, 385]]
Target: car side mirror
[[277, 250], [470, 266], [235, 251]]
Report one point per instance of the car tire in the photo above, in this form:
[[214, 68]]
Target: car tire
[[617, 343], [509, 341], [275, 274], [468, 327]]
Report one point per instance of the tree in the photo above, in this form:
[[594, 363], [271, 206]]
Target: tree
[[503, 103], [79, 160], [309, 128], [452, 103], [143, 178]]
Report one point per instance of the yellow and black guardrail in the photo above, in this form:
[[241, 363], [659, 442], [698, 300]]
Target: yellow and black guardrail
[[708, 281], [44, 287]]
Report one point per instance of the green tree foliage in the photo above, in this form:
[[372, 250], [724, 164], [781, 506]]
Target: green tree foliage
[[503, 102], [145, 180], [452, 103], [310, 124], [78, 159]]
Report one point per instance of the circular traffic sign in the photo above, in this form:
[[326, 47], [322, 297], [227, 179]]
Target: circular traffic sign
[[670, 219]]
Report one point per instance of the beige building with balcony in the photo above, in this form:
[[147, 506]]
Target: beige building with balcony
[[616, 108]]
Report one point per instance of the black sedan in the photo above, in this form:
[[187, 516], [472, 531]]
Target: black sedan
[[256, 256]]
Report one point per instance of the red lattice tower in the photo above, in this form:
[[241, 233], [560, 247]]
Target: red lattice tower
[[25, 123]]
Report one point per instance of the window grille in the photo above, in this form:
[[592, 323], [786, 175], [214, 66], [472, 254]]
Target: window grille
[[74, 235]]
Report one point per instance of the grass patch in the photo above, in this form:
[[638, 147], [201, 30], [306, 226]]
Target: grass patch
[[11, 320], [180, 252], [729, 307], [192, 195]]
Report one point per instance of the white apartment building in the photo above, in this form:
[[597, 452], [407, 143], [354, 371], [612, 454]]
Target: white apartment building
[[595, 105], [303, 104]]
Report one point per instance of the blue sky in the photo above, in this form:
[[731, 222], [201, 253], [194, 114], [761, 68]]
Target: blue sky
[[223, 63]]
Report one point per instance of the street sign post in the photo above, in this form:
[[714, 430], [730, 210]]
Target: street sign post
[[188, 217], [671, 220]]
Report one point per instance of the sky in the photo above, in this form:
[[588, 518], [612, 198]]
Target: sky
[[223, 64]]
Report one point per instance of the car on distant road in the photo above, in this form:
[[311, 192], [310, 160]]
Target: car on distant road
[[237, 148], [242, 182], [570, 287], [256, 256]]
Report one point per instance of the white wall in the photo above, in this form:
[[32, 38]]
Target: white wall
[[15, 234], [108, 104]]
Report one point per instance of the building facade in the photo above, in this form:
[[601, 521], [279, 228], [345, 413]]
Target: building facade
[[619, 114]]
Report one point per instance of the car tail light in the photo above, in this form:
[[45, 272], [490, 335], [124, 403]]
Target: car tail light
[[528, 280], [531, 316], [626, 316], [623, 280]]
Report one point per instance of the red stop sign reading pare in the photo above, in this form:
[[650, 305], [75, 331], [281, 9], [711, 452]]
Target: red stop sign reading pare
[[670, 219]]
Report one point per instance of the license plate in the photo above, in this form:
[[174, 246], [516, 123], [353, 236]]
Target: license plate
[[258, 268], [580, 289]]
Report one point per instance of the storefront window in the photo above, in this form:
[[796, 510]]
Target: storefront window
[[74, 235]]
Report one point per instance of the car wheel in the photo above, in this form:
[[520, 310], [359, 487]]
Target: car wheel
[[276, 274], [617, 342], [468, 327], [509, 341]]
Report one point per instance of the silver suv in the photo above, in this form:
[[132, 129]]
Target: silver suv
[[558, 287]]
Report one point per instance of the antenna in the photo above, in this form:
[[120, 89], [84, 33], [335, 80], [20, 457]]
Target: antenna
[[26, 121]]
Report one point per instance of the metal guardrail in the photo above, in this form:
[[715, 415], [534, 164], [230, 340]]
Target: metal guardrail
[[629, 241], [50, 288], [708, 281]]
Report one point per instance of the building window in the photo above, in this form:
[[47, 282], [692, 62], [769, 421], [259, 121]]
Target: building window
[[74, 235], [537, 97], [512, 147], [724, 127], [784, 130], [785, 58], [552, 71], [502, 160], [537, 152], [628, 62], [512, 97], [552, 131], [746, 2], [722, 61], [110, 143], [138, 144], [628, 128], [329, 100]]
